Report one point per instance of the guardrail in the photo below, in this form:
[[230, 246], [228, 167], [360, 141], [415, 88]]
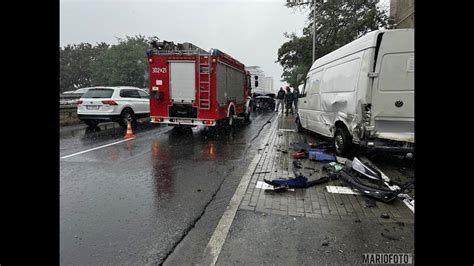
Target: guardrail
[[70, 109]]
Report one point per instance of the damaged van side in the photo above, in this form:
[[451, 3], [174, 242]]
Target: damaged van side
[[363, 93]]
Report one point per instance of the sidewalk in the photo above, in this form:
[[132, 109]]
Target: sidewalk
[[309, 226]]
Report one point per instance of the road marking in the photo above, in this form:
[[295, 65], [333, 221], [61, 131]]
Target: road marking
[[219, 236], [96, 148]]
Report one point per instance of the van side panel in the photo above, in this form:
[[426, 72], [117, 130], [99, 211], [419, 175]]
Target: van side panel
[[339, 90], [311, 107]]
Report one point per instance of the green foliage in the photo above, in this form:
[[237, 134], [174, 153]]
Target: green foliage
[[75, 64], [124, 63], [338, 22]]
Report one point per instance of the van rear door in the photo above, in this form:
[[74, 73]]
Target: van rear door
[[393, 94], [183, 81]]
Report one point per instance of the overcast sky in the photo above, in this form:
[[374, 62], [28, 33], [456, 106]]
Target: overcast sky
[[249, 30]]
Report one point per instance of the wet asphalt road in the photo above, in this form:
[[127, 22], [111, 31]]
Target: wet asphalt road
[[133, 202]]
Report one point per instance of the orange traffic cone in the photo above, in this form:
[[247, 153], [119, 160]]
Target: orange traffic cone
[[129, 134]]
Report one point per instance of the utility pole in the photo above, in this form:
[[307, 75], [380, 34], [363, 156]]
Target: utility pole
[[299, 2], [314, 29]]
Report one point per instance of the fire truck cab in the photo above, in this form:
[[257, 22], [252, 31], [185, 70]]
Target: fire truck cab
[[190, 87]]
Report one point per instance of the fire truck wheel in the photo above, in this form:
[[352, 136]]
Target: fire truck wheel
[[247, 118], [126, 115], [230, 119]]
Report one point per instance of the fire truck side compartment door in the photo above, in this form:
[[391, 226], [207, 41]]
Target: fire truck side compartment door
[[182, 81]]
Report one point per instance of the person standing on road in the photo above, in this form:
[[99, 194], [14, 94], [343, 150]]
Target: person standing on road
[[279, 100], [296, 95], [288, 100]]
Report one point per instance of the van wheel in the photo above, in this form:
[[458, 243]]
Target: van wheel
[[342, 142], [299, 127]]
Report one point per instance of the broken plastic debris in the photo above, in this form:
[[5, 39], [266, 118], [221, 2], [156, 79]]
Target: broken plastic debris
[[341, 190], [366, 170], [385, 215], [320, 155], [369, 203], [352, 179], [336, 166]]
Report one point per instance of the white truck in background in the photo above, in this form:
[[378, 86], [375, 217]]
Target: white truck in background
[[362, 94]]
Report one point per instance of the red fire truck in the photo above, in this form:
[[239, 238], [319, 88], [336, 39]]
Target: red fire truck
[[190, 87]]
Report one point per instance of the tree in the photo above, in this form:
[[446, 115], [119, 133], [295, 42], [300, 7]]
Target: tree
[[338, 22], [122, 64], [75, 64]]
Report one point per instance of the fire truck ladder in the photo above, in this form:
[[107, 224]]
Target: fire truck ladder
[[204, 81]]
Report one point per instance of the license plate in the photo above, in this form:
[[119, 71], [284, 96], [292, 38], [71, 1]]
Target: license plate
[[184, 121], [92, 107]]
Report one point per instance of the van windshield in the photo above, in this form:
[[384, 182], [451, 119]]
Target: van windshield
[[98, 93]]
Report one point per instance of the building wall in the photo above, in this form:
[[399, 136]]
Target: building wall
[[403, 11]]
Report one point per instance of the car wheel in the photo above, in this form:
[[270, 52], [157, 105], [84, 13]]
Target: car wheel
[[342, 142], [126, 115]]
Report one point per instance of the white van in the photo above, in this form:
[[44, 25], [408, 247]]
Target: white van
[[363, 93]]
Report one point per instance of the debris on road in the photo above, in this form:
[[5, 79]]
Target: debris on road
[[270, 188], [332, 167], [366, 169], [341, 190], [390, 236], [298, 154], [385, 215], [299, 181], [400, 223], [409, 202], [297, 164], [322, 145], [320, 155], [370, 202], [365, 179], [300, 146], [324, 243]]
